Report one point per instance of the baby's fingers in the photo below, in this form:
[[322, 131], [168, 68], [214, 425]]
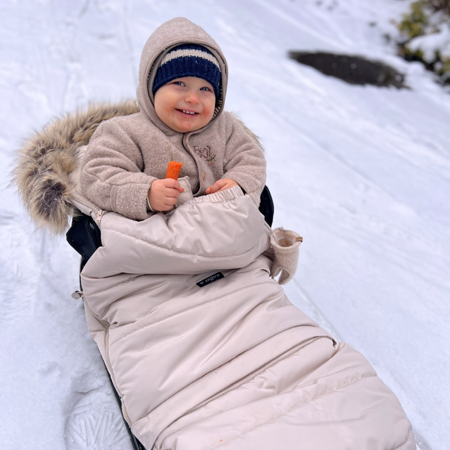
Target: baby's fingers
[[170, 183], [172, 193], [217, 186]]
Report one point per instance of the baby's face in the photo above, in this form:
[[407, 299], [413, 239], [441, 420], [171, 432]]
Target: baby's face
[[185, 104]]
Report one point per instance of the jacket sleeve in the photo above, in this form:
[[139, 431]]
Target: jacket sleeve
[[111, 176], [244, 160]]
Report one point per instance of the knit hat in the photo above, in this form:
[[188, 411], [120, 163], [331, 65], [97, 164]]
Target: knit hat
[[188, 60]]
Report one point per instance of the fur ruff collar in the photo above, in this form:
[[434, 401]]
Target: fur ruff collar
[[47, 160]]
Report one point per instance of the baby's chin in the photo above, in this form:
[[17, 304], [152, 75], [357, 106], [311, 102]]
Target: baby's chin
[[188, 129]]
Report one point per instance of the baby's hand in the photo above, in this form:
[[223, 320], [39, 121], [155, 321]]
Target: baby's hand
[[221, 185], [164, 193]]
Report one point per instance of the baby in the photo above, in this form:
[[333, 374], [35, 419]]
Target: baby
[[182, 86]]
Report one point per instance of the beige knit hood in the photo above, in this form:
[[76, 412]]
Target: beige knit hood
[[175, 32]]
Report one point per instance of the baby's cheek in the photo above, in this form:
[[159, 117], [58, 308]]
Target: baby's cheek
[[209, 111]]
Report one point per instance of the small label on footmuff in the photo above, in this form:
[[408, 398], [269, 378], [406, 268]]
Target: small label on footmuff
[[210, 279]]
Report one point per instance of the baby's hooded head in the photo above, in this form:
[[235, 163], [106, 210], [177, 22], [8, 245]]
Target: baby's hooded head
[[186, 86]]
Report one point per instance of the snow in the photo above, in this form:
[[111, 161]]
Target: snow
[[362, 173]]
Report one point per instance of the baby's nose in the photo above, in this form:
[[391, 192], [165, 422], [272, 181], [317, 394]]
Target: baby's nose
[[192, 97]]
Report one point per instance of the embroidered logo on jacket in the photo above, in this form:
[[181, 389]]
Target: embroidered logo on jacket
[[205, 153]]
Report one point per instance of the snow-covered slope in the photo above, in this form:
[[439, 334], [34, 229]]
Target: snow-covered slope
[[361, 172]]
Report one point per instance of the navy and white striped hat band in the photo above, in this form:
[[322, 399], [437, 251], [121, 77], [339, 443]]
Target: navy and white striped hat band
[[188, 60]]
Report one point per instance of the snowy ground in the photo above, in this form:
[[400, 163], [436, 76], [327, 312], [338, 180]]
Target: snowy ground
[[362, 173]]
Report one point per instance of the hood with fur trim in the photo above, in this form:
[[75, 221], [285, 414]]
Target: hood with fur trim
[[171, 34]]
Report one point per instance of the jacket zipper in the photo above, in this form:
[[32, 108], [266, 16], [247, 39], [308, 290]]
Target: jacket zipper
[[97, 212], [86, 202], [107, 358], [125, 414]]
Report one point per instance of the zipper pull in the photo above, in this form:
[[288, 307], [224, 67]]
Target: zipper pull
[[77, 295]]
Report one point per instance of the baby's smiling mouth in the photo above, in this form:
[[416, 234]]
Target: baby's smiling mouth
[[187, 112]]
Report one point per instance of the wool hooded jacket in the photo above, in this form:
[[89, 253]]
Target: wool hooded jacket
[[126, 154]]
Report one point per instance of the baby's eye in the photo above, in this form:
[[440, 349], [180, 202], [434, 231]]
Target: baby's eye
[[179, 83], [205, 88]]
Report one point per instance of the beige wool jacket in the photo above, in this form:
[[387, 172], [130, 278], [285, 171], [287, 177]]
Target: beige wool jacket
[[126, 154]]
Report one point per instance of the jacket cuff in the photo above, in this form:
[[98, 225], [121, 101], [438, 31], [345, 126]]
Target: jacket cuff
[[130, 200], [250, 187], [149, 206]]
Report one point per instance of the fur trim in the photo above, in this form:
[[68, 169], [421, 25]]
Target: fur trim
[[47, 160]]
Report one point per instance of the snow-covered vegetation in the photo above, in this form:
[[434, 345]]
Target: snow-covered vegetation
[[426, 31]]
